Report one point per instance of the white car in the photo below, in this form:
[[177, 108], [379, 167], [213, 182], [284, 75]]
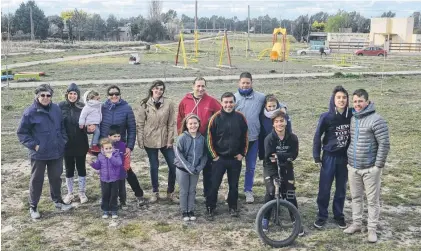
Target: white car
[[310, 51]]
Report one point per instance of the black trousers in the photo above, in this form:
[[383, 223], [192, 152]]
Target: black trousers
[[70, 162], [233, 169], [109, 196], [207, 177], [134, 184]]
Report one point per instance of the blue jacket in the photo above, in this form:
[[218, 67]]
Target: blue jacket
[[45, 128], [334, 127], [119, 114]]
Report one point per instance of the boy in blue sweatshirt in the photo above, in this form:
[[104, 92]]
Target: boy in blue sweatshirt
[[334, 126]]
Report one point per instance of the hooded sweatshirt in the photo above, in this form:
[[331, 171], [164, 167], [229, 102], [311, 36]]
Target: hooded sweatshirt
[[190, 153], [91, 113], [250, 105], [334, 127]]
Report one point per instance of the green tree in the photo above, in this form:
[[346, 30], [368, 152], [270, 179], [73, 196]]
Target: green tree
[[153, 31], [340, 20], [169, 16], [58, 22], [112, 25], [388, 14], [22, 20]]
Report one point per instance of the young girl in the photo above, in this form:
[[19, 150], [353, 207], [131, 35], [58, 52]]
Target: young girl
[[190, 159], [110, 167], [91, 116]]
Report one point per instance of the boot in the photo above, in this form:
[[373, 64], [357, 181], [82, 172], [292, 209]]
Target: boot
[[69, 197], [82, 190], [210, 214]]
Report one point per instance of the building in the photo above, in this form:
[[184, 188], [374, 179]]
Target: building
[[387, 31]]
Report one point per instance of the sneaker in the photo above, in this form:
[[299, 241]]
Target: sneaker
[[154, 198], [83, 198], [63, 206], [95, 149], [319, 223], [172, 197], [191, 215], [123, 206], [265, 225], [341, 223], [68, 198], [301, 233], [140, 201], [372, 236], [210, 214], [233, 212], [105, 215], [185, 216], [34, 213], [352, 229], [114, 215], [249, 197]]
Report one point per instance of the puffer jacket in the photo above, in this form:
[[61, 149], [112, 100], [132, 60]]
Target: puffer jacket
[[369, 139], [119, 114], [110, 169], [91, 113], [190, 153], [156, 127]]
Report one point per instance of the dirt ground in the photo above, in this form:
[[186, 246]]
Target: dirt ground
[[159, 226]]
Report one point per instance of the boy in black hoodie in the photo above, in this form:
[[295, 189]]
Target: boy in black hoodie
[[334, 125], [281, 148]]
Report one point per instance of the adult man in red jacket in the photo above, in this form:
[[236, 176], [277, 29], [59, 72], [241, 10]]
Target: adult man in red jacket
[[204, 106]]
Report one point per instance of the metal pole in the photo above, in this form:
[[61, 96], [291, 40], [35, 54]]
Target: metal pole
[[248, 32], [32, 23]]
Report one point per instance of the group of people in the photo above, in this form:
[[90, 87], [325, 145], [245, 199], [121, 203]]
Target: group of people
[[213, 139]]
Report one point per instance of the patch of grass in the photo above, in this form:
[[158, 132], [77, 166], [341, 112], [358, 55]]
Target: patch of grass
[[162, 227], [134, 230]]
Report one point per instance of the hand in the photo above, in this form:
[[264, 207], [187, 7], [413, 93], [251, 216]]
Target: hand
[[91, 128], [216, 159], [89, 159], [128, 152], [108, 155], [37, 148], [273, 158], [81, 126], [239, 157], [169, 145], [320, 164]]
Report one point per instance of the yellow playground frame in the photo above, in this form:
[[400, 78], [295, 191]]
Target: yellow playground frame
[[280, 47]]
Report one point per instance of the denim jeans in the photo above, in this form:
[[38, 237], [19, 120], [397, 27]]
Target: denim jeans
[[251, 158], [154, 166], [95, 136]]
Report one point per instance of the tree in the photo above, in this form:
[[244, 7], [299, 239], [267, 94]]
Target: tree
[[58, 23], [95, 28], [301, 27], [67, 19], [7, 23], [153, 31], [169, 16], [112, 25], [22, 20], [417, 19], [340, 20], [320, 17], [155, 10], [319, 27], [79, 19], [388, 14]]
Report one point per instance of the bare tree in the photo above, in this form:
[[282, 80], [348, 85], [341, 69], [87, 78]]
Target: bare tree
[[155, 10]]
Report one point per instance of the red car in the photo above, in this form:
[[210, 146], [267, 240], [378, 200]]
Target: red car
[[371, 51]]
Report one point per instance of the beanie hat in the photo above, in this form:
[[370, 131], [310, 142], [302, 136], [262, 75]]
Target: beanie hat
[[44, 88]]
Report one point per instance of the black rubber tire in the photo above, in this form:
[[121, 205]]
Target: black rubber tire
[[360, 54], [303, 53], [295, 231], [381, 55]]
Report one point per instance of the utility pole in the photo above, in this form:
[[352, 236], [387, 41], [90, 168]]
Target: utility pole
[[195, 16], [248, 32], [32, 23], [261, 26], [302, 27]]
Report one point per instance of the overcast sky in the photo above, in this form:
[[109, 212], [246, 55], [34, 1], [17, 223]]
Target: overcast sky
[[283, 9]]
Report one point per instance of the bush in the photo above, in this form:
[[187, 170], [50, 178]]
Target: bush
[[153, 31]]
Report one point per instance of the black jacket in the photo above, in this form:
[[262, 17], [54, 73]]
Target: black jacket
[[286, 150], [77, 145], [227, 134]]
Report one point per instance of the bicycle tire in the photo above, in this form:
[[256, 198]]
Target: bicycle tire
[[272, 205]]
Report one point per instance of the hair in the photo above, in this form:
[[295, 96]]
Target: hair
[[271, 98], [278, 114], [361, 93], [184, 122], [340, 88], [228, 95], [114, 129], [199, 79], [155, 83], [91, 95], [113, 87], [105, 141], [246, 75]]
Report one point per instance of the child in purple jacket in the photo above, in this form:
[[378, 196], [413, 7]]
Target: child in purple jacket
[[110, 168]]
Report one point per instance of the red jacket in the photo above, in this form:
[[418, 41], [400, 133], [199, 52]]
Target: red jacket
[[204, 108]]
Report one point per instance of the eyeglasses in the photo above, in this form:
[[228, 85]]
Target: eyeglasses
[[45, 95], [114, 94]]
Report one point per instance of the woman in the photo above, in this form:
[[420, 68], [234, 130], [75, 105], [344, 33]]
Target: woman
[[155, 132], [116, 111], [77, 146]]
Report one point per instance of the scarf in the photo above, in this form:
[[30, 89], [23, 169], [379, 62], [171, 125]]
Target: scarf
[[111, 105], [246, 92], [270, 114]]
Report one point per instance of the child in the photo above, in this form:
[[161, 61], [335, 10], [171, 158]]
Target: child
[[115, 137], [110, 167], [190, 159], [281, 148], [91, 116], [271, 105]]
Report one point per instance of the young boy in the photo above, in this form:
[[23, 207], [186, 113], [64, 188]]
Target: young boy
[[115, 138], [281, 148]]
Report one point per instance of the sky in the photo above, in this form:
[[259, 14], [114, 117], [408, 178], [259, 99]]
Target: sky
[[207, 8]]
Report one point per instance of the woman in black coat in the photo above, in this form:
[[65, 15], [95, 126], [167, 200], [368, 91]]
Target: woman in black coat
[[77, 146]]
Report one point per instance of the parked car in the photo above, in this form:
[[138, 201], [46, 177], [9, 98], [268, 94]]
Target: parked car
[[371, 51], [313, 51]]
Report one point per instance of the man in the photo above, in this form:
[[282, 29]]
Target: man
[[204, 106], [42, 131], [227, 142], [250, 103], [334, 127], [367, 155]]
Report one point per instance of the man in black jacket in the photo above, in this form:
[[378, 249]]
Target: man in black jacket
[[228, 144]]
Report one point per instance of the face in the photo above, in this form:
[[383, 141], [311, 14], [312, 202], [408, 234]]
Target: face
[[72, 96], [271, 106], [228, 104], [157, 92], [341, 100], [279, 124], [199, 88], [245, 83], [96, 98], [192, 125], [359, 103], [115, 137], [44, 98], [114, 95], [107, 148]]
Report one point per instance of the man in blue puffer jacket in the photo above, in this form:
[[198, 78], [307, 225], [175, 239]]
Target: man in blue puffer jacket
[[42, 131]]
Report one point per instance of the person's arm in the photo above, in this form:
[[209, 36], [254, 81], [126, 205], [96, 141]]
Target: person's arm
[[63, 129], [289, 125], [203, 160], [317, 141], [140, 126], [179, 154], [270, 148], [180, 115], [24, 133], [96, 165], [131, 128], [83, 115], [381, 133], [211, 135], [171, 124], [244, 136], [116, 160], [292, 152]]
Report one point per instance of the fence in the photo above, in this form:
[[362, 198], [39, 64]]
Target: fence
[[405, 47], [346, 46]]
